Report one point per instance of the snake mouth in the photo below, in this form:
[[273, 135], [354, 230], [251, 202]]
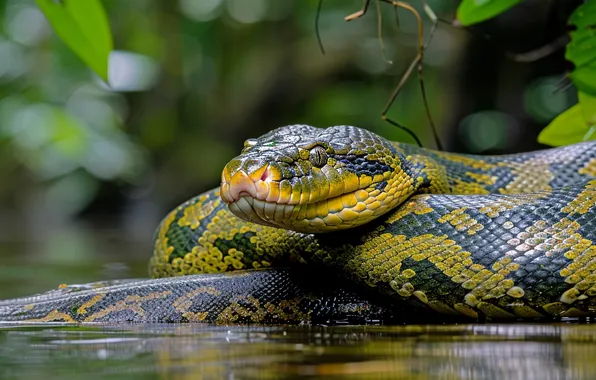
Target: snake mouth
[[247, 199], [261, 212], [310, 217], [259, 198], [252, 186]]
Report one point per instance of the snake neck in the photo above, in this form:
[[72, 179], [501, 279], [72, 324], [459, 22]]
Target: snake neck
[[427, 175]]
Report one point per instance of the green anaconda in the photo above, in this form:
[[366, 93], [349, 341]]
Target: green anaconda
[[370, 230]]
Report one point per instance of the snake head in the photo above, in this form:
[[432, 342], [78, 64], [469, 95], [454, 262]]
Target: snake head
[[313, 180]]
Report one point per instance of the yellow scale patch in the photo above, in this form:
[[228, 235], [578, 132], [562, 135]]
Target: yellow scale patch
[[463, 187], [53, 316], [439, 183], [462, 221], [529, 176], [481, 178], [467, 161], [589, 169], [95, 299], [195, 213], [584, 201], [481, 181], [477, 187], [416, 205], [257, 312], [495, 207], [581, 272], [133, 303], [184, 303]]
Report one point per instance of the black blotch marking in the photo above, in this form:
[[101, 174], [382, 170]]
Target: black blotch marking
[[240, 241], [181, 238], [360, 165], [433, 282]]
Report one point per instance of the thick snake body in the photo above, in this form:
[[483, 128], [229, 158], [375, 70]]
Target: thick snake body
[[425, 233]]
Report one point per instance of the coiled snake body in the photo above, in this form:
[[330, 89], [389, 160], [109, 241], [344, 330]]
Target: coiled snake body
[[420, 232]]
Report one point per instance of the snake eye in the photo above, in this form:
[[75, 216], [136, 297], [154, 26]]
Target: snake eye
[[318, 156]]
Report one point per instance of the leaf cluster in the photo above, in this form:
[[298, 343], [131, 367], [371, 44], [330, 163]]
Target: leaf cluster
[[83, 26], [578, 123]]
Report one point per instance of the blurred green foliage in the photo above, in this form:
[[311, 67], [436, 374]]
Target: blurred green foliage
[[582, 48], [83, 26], [191, 79], [575, 124], [578, 123], [472, 12]]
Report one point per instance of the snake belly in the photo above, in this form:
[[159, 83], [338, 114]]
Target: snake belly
[[497, 237]]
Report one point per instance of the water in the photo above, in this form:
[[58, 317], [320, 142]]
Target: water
[[62, 351], [257, 352]]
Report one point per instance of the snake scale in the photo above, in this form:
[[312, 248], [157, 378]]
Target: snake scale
[[371, 231]]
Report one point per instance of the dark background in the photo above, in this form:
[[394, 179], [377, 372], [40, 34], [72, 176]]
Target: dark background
[[87, 172]]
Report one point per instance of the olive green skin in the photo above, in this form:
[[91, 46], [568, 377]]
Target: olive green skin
[[520, 247], [515, 239]]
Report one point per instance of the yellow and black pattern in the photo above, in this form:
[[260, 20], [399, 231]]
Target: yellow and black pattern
[[500, 237], [191, 241], [263, 296], [531, 261]]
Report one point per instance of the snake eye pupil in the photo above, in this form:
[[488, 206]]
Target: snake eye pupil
[[318, 156]]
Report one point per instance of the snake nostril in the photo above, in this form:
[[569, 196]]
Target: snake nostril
[[266, 176]]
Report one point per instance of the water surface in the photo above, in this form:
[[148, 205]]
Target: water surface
[[196, 351]]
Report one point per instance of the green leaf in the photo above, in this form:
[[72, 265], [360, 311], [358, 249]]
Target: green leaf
[[572, 126], [474, 11], [567, 128], [83, 26], [588, 106], [583, 16], [582, 48]]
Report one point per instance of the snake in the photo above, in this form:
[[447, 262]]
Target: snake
[[340, 225]]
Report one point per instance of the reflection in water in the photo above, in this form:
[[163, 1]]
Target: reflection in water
[[202, 351]]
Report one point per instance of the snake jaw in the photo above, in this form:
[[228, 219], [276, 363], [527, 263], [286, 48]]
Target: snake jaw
[[255, 197]]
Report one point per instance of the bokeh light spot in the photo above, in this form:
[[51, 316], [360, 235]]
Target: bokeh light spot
[[543, 99], [26, 25], [131, 72], [486, 130], [247, 12], [200, 10]]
